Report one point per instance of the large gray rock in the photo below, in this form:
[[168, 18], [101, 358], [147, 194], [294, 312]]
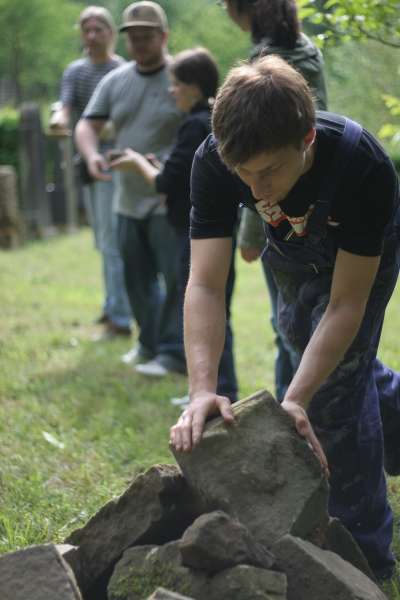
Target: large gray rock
[[315, 573], [37, 573], [339, 539], [247, 583], [163, 594], [144, 568], [259, 471], [215, 542], [156, 508]]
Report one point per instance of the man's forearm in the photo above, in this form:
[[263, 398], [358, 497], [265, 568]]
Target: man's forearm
[[86, 139], [326, 348], [205, 317]]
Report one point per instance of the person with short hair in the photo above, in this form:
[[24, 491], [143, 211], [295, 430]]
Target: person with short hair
[[79, 80], [194, 83], [328, 194], [275, 28], [136, 98]]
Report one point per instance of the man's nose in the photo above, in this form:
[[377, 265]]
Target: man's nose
[[259, 188]]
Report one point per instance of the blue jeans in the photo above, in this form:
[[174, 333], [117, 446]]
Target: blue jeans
[[149, 248], [98, 198]]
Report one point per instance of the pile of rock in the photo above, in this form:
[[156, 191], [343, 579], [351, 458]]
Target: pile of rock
[[243, 517]]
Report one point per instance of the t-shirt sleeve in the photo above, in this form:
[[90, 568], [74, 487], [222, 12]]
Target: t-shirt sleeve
[[99, 105], [214, 198], [67, 92], [176, 171], [363, 226]]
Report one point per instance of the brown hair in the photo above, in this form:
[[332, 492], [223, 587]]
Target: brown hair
[[262, 106], [197, 66], [276, 20]]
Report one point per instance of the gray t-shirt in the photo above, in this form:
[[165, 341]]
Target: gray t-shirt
[[80, 79], [145, 119]]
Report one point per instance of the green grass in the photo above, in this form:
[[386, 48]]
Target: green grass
[[106, 423]]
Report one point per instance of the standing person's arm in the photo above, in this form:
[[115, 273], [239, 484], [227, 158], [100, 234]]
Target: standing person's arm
[[204, 338], [87, 134]]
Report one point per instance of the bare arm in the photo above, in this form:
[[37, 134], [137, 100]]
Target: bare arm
[[87, 134], [204, 338], [60, 121], [353, 278]]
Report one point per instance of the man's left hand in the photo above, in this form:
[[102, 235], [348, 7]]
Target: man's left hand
[[304, 428]]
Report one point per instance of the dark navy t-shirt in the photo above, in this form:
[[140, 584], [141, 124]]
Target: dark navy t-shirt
[[365, 196]]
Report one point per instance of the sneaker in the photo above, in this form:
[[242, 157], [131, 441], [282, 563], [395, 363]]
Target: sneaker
[[152, 369], [181, 402], [134, 356]]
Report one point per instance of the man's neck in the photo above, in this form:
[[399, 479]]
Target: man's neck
[[99, 58]]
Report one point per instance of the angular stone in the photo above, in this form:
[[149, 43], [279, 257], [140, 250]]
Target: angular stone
[[244, 583], [215, 542], [156, 508], [315, 573], [259, 471], [144, 568], [163, 594], [71, 557], [37, 573], [339, 539]]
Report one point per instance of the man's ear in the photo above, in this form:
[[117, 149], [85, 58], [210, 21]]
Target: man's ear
[[309, 138]]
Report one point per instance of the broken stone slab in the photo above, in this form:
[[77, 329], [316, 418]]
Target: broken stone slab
[[144, 568], [316, 573], [71, 557], [215, 542], [244, 582], [37, 573], [156, 508], [163, 594], [338, 539], [259, 471]]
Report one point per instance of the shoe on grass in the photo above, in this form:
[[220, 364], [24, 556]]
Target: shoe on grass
[[135, 356], [152, 368]]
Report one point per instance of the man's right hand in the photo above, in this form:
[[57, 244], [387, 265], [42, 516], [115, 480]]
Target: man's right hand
[[188, 430], [96, 165]]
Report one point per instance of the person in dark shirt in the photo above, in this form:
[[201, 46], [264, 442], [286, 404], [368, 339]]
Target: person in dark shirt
[[329, 197], [275, 28], [194, 76]]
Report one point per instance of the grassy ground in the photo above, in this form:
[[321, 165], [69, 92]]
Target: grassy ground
[[75, 423]]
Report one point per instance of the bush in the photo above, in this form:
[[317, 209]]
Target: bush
[[9, 136]]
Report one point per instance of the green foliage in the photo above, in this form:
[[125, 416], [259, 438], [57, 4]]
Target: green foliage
[[343, 20], [9, 123], [38, 40]]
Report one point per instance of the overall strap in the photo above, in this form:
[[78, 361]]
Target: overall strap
[[319, 218]]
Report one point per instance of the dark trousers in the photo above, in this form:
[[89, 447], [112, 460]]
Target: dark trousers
[[227, 382], [148, 249], [284, 367]]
